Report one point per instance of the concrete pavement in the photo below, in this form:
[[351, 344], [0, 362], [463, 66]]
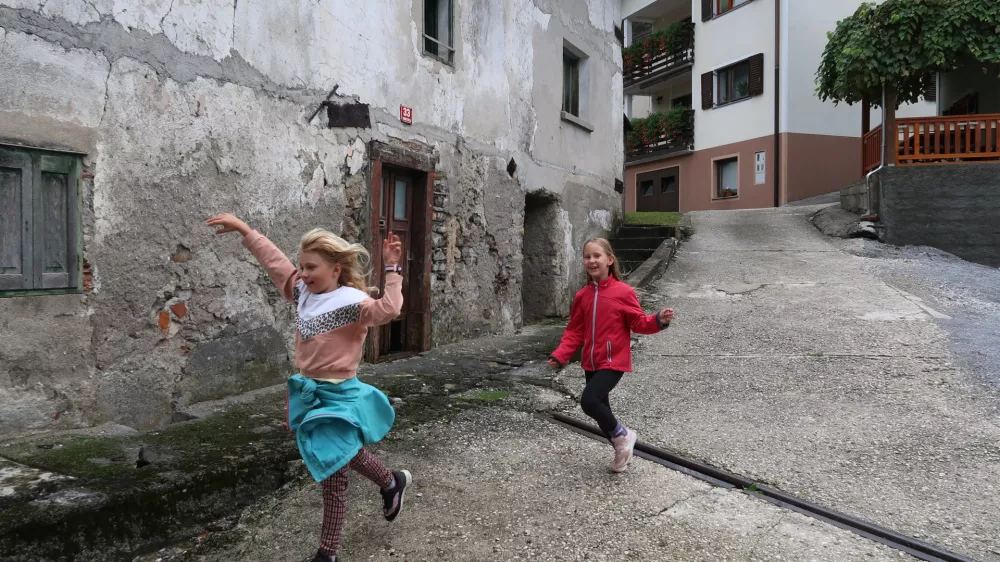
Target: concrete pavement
[[793, 362], [788, 363]]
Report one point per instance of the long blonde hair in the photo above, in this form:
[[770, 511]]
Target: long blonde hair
[[354, 259], [606, 247]]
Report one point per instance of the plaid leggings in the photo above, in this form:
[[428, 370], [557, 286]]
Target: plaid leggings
[[335, 496]]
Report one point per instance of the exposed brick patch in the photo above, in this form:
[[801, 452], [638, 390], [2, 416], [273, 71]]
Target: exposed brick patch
[[180, 309], [164, 321], [88, 277]]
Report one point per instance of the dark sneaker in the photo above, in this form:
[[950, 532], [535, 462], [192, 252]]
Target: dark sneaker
[[323, 557], [393, 497]]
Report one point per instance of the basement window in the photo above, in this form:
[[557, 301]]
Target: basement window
[[727, 178], [439, 30], [39, 221]]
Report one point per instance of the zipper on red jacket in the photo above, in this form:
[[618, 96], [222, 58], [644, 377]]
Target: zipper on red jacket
[[593, 327]]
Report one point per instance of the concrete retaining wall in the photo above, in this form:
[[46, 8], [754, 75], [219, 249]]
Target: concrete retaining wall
[[950, 207]]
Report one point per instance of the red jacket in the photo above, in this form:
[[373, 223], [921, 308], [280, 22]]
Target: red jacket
[[602, 318]]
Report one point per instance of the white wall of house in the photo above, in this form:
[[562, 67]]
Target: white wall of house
[[740, 34], [803, 39], [642, 106]]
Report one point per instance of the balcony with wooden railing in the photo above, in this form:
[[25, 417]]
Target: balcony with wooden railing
[[956, 139], [658, 56]]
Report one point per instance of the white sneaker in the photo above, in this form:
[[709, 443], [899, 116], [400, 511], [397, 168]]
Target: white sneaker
[[624, 446]]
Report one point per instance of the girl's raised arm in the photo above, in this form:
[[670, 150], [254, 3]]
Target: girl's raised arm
[[375, 312], [637, 320], [284, 274]]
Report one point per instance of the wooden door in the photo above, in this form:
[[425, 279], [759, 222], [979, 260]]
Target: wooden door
[[658, 191], [396, 216]]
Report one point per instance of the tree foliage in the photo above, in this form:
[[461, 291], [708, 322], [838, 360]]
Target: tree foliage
[[900, 42]]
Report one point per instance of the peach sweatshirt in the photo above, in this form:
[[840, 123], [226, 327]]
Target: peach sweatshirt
[[330, 327]]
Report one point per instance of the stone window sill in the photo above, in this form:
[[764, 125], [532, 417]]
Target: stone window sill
[[569, 117]]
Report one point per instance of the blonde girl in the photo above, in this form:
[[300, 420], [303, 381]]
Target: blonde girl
[[333, 414]]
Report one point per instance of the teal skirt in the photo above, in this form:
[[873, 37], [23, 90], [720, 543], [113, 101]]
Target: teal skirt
[[332, 422]]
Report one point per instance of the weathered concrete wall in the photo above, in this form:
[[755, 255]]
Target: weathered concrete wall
[[953, 208], [185, 109]]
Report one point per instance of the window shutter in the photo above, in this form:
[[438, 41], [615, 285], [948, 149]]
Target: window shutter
[[15, 221], [707, 9], [54, 222], [707, 87], [930, 86], [757, 75]]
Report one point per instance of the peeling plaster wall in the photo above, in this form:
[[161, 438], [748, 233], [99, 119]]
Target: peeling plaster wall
[[186, 108]]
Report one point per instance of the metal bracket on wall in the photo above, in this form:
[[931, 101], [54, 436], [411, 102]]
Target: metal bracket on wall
[[332, 93], [354, 115]]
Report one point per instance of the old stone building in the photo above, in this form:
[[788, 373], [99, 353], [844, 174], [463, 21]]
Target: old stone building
[[488, 133]]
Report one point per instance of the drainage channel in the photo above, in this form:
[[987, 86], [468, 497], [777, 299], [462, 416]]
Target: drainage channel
[[724, 479]]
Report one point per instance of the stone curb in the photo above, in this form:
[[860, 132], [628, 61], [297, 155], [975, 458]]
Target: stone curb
[[654, 265]]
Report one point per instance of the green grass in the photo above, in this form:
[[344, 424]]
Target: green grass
[[652, 219]]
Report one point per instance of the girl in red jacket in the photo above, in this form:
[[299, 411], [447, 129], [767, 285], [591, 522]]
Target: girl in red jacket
[[604, 314]]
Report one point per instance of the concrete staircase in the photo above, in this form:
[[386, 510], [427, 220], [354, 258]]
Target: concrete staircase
[[635, 244]]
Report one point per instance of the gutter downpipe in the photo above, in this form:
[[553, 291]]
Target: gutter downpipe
[[777, 103]]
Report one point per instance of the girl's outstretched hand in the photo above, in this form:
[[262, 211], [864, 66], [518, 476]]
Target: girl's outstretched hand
[[228, 223], [666, 316], [392, 250], [553, 364]]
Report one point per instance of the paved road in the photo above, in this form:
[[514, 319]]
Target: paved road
[[791, 361], [837, 370]]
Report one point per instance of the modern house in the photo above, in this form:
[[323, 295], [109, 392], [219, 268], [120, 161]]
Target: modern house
[[721, 99]]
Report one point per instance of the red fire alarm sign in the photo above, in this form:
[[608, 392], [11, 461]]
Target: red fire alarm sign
[[406, 115]]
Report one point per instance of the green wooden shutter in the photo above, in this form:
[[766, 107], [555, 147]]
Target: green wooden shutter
[[55, 222], [15, 221]]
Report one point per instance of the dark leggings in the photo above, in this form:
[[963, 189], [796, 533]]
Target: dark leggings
[[595, 398]]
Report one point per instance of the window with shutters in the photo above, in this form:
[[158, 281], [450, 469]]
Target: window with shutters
[[733, 83], [39, 220], [713, 8], [439, 30], [723, 6]]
